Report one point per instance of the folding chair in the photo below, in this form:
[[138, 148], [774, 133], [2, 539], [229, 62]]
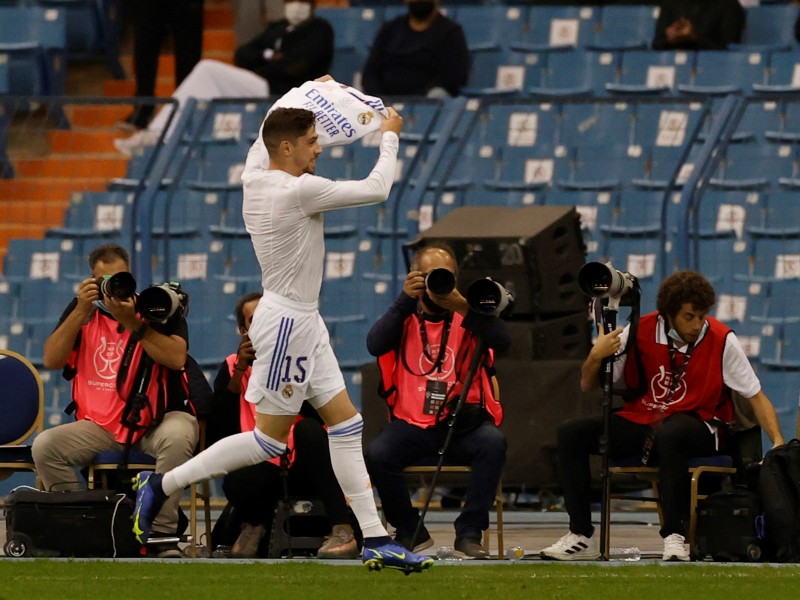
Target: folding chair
[[22, 410]]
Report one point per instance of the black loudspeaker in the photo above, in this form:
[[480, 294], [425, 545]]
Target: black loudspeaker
[[535, 252], [536, 397], [567, 337]]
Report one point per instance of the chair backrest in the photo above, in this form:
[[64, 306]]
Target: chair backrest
[[21, 399]]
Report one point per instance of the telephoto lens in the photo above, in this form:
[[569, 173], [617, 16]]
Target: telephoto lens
[[121, 285], [440, 282]]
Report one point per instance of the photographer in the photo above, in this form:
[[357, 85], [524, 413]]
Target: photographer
[[679, 370], [424, 344], [254, 491], [109, 353]]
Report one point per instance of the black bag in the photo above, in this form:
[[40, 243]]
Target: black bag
[[779, 487], [92, 523], [730, 527]]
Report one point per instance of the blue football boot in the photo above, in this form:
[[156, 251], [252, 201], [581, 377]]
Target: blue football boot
[[394, 556]]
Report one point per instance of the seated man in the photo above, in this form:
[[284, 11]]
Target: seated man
[[698, 24], [680, 369], [105, 349], [289, 52], [423, 53], [253, 492], [424, 344]]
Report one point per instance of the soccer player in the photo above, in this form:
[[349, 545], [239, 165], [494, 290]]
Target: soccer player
[[283, 212]]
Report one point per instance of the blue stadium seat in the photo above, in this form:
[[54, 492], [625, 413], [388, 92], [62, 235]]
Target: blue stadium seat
[[760, 117], [723, 258], [93, 27], [648, 72], [781, 303], [520, 124], [525, 169], [96, 214], [33, 259], [594, 207], [783, 74], [6, 168], [43, 300], [354, 30], [721, 72], [492, 26], [625, 27], [775, 258], [770, 26], [561, 25], [604, 166], [183, 259], [597, 123], [729, 210], [577, 72], [34, 40], [781, 385], [778, 216], [241, 264], [754, 166], [635, 212]]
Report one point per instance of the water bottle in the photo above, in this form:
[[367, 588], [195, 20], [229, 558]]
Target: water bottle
[[627, 554], [515, 553], [446, 553]]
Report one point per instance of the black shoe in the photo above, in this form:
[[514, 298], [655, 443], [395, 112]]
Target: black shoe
[[424, 540], [139, 118], [165, 550], [470, 548]]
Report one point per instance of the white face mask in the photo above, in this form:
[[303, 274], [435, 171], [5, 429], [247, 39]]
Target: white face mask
[[296, 12]]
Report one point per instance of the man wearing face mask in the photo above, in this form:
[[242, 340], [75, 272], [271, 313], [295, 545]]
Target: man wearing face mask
[[105, 349], [422, 53], [289, 52], [424, 344], [680, 369]]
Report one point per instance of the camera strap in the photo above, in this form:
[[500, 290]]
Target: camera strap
[[426, 349]]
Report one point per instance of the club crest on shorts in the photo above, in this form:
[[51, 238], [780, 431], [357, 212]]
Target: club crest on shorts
[[287, 391], [365, 117]]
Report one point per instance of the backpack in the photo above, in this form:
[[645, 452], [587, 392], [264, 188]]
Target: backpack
[[779, 488]]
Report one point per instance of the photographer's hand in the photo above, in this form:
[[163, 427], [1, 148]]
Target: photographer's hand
[[453, 302], [414, 284], [606, 345], [87, 293], [244, 358]]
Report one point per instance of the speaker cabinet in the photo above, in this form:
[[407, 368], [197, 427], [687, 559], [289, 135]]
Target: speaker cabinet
[[535, 252]]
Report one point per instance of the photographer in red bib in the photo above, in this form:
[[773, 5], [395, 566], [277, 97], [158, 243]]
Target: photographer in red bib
[[109, 353], [424, 343], [680, 369]]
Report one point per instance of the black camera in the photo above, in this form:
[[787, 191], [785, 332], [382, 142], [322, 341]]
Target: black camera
[[440, 282], [159, 303], [121, 285]]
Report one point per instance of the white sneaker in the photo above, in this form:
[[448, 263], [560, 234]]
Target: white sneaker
[[675, 548], [572, 547], [136, 143]]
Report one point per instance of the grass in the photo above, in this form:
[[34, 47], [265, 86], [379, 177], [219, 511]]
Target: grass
[[144, 580]]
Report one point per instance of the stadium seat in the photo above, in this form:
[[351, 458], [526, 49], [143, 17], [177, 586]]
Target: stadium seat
[[721, 72], [561, 25], [577, 72], [92, 27], [34, 40], [769, 26], [625, 27], [648, 72], [783, 74]]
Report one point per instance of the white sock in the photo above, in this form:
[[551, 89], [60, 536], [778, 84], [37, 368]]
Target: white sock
[[228, 454], [347, 458]]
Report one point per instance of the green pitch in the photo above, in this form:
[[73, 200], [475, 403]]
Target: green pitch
[[199, 580]]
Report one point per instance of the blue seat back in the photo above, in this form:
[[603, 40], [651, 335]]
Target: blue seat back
[[22, 398]]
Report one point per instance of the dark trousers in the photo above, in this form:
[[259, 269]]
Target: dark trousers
[[254, 491], [679, 437], [401, 444], [153, 21]]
